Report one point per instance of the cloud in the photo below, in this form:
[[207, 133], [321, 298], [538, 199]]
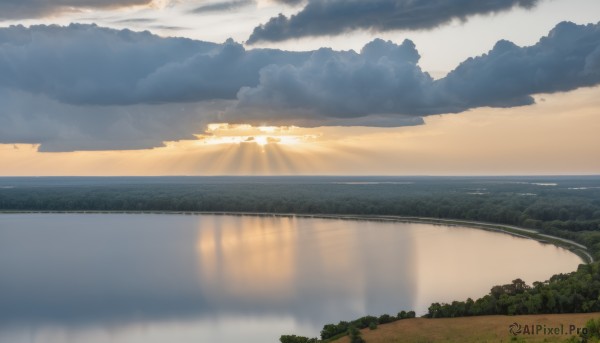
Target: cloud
[[169, 27], [150, 23], [218, 75], [23, 9], [289, 2], [135, 21], [384, 80], [82, 87], [334, 17], [508, 75], [89, 65], [57, 127], [222, 6]]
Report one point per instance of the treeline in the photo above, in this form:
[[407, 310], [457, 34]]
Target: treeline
[[351, 328], [333, 330], [576, 292], [590, 333], [565, 207]]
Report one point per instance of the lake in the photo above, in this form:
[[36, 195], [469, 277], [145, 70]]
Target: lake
[[216, 278]]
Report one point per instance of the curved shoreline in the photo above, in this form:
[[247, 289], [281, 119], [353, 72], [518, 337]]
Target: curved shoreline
[[576, 248]]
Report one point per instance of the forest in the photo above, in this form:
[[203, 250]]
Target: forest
[[567, 206]]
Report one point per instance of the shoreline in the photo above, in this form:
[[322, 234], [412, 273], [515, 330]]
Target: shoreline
[[576, 248]]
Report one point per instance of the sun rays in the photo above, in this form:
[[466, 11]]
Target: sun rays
[[223, 133], [222, 149], [445, 145]]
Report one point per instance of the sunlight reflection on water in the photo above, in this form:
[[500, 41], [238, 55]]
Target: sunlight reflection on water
[[157, 278]]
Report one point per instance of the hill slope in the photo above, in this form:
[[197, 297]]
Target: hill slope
[[476, 329]]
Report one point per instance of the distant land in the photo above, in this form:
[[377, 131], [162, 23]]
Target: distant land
[[562, 206]]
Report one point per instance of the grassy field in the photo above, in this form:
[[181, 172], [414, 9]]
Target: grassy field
[[476, 329]]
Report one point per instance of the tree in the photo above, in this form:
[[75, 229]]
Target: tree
[[384, 319], [355, 336], [296, 339], [592, 331]]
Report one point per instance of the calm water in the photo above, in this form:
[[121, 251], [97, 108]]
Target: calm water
[[177, 278]]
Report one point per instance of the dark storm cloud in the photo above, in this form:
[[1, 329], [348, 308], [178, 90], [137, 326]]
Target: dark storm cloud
[[22, 9], [222, 6], [333, 17], [82, 87]]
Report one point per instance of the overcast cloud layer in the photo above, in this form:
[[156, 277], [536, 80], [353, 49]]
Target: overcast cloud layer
[[83, 87], [22, 9], [332, 17]]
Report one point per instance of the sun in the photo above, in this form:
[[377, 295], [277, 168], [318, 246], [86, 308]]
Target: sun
[[224, 133]]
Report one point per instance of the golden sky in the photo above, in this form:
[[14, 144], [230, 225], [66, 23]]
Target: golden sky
[[558, 135]]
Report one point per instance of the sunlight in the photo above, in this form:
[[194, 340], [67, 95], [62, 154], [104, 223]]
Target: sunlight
[[267, 129], [224, 133], [445, 145]]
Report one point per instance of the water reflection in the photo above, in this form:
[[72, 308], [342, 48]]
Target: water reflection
[[176, 278], [250, 260], [317, 270]]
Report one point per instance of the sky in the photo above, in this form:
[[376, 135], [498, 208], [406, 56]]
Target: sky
[[299, 87]]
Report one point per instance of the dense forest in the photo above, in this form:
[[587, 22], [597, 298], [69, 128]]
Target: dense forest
[[568, 207], [576, 292]]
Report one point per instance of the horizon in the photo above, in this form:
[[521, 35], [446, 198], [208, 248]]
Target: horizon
[[311, 176]]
